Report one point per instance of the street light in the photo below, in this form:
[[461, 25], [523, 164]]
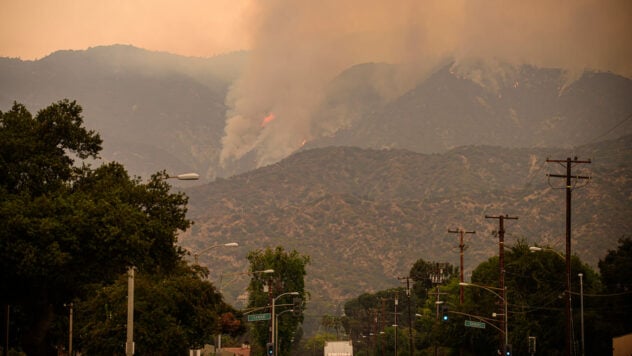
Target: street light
[[538, 249], [276, 332], [581, 296], [504, 300], [129, 344], [569, 315], [228, 244], [273, 313], [185, 176], [221, 276]]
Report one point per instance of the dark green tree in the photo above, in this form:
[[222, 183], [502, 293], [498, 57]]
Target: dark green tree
[[66, 226], [370, 316], [332, 322], [616, 276], [36, 153], [535, 284], [173, 312], [289, 276]]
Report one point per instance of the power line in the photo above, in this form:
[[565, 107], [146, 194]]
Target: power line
[[604, 295], [611, 129]]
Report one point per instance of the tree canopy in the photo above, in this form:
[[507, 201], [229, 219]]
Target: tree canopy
[[535, 284], [67, 226], [174, 312], [289, 276], [616, 276]]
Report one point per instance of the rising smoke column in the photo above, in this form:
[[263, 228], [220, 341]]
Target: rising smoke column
[[298, 47]]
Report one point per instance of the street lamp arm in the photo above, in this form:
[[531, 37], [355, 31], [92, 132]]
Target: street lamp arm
[[185, 176], [245, 273], [237, 274], [538, 249], [287, 293], [487, 288], [276, 329], [229, 244], [273, 328], [198, 253], [285, 311]]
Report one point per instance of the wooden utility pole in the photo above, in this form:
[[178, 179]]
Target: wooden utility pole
[[568, 164], [70, 307], [437, 277], [381, 344], [461, 232], [396, 326], [501, 278], [410, 317], [6, 331]]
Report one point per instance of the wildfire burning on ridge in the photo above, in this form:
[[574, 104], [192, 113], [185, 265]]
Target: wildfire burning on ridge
[[266, 120]]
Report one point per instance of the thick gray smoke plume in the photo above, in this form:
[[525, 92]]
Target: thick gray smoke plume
[[298, 47]]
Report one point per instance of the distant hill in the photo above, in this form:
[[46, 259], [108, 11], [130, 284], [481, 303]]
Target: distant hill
[[365, 215], [160, 111], [154, 110]]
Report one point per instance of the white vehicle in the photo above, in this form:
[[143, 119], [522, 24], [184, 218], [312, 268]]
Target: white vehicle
[[338, 348]]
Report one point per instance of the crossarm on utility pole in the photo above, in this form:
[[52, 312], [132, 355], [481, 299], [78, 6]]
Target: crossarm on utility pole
[[461, 232]]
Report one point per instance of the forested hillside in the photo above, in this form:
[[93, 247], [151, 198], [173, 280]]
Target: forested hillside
[[365, 216]]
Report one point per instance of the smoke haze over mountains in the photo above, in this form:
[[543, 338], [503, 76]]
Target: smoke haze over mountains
[[299, 47], [317, 73]]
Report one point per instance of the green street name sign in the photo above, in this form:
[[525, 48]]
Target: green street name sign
[[475, 324], [259, 317]]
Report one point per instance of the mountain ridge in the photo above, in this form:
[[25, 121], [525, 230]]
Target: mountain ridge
[[158, 111]]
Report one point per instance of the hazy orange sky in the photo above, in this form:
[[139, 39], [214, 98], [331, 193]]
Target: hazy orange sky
[[31, 29]]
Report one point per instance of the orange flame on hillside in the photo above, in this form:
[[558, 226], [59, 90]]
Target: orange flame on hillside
[[267, 119]]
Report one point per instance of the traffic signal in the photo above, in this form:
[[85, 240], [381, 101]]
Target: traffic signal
[[444, 313], [297, 306], [508, 350], [270, 349]]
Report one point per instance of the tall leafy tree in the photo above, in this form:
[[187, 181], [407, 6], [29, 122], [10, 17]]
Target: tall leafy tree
[[174, 311], [616, 275], [332, 322], [535, 293], [36, 153], [67, 226], [289, 276]]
